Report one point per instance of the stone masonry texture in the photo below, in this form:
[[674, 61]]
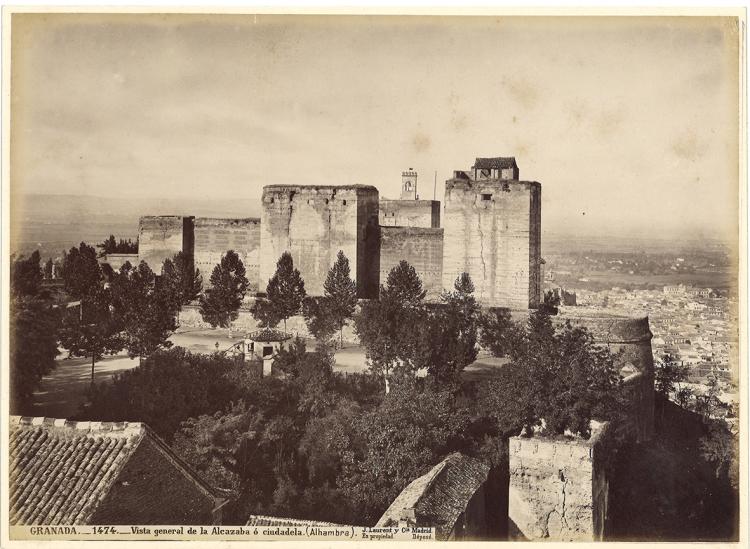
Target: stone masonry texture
[[409, 213], [421, 247], [313, 223], [162, 237], [213, 237], [558, 489], [493, 231]]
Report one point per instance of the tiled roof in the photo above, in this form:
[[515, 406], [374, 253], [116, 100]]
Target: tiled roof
[[264, 520], [439, 497], [268, 335], [61, 470], [498, 162]]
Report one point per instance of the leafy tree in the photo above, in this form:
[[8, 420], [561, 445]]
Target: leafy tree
[[342, 293], [92, 331], [499, 333], [389, 328], [448, 335], [668, 376], [33, 328], [144, 309], [265, 313], [286, 289], [220, 303], [169, 387], [319, 317], [113, 246], [183, 281], [550, 303], [410, 432], [81, 271], [49, 269], [584, 380], [32, 336], [25, 275], [403, 286], [720, 448], [559, 376]]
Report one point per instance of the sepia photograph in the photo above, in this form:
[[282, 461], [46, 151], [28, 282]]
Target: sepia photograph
[[427, 276]]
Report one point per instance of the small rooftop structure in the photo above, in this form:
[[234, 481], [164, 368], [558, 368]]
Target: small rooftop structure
[[264, 345], [495, 163], [268, 335], [69, 473], [450, 498], [497, 168]]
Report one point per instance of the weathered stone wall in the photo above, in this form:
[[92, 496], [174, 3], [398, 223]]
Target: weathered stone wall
[[492, 231], [190, 317], [558, 488], [409, 213], [422, 248], [162, 237], [118, 260], [313, 223], [214, 237]]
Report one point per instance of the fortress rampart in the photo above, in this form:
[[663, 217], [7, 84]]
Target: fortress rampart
[[162, 237], [214, 236], [409, 213], [421, 247], [558, 487], [492, 231], [313, 223]]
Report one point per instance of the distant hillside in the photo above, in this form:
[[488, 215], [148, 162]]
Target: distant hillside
[[52, 223]]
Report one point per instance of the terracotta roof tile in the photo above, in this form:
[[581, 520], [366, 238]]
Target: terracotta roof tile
[[264, 520], [498, 162], [439, 497], [60, 470]]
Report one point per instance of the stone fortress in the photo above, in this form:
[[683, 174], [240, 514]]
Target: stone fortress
[[490, 227]]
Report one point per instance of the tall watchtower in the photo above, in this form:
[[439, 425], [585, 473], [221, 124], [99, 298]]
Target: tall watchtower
[[409, 185]]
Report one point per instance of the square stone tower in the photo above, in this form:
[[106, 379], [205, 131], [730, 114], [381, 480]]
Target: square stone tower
[[492, 224], [313, 223]]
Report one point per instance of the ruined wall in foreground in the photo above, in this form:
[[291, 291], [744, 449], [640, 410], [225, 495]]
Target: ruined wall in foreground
[[492, 231], [214, 237], [313, 223], [162, 237], [409, 213], [558, 488], [421, 247]]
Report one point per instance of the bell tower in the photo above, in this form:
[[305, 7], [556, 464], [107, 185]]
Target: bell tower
[[409, 185]]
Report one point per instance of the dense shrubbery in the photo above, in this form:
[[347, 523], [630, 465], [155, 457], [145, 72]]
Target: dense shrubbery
[[166, 389]]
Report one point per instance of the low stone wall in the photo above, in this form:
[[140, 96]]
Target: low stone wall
[[558, 488], [190, 317]]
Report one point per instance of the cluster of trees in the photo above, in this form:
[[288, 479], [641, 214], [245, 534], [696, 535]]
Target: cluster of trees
[[317, 444], [131, 309], [324, 315], [33, 329], [114, 246]]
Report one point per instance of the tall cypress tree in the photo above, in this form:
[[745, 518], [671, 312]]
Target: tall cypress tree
[[341, 292], [286, 289], [220, 303]]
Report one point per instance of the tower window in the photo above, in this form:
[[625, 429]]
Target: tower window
[[343, 202], [486, 196]]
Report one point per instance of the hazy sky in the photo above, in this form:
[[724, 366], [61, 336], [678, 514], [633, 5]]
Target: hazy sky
[[628, 123]]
